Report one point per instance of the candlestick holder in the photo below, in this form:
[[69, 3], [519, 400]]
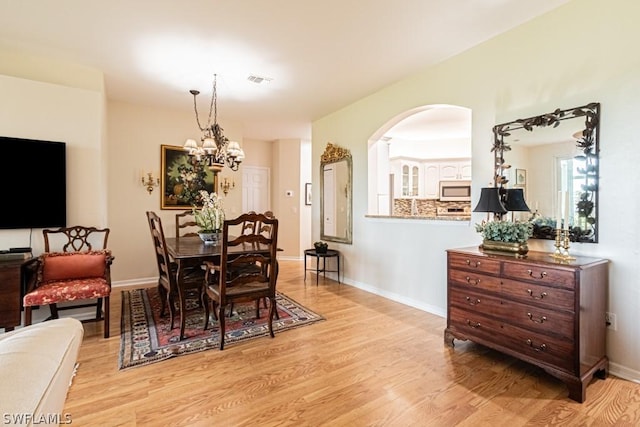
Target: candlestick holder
[[562, 246], [558, 244], [565, 247]]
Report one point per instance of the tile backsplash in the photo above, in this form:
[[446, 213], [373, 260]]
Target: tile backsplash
[[428, 208]]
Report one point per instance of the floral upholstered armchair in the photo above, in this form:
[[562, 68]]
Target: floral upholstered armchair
[[76, 275]]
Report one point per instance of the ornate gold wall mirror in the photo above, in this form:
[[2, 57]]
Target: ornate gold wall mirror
[[551, 153], [335, 194]]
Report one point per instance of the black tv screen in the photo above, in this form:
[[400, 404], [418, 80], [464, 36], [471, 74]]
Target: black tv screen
[[34, 183]]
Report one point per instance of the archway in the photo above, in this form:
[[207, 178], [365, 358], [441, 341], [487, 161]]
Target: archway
[[412, 153]]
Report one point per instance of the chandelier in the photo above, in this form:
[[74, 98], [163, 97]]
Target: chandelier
[[215, 149]]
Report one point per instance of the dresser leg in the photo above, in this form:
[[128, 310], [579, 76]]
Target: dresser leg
[[602, 374], [577, 391], [448, 338]]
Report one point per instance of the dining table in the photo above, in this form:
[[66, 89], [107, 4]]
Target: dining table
[[191, 252]]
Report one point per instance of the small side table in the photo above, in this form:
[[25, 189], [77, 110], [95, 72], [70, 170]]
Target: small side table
[[331, 253]]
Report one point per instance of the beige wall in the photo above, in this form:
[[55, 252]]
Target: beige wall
[[39, 110], [286, 162], [574, 55], [109, 145], [136, 134]]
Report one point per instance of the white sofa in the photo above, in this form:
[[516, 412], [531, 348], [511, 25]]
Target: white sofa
[[37, 364]]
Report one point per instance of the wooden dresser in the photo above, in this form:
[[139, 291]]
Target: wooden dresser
[[548, 313], [10, 292]]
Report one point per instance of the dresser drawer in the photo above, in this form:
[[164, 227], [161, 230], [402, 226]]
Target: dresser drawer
[[474, 280], [473, 301], [540, 320], [549, 350], [473, 324], [539, 294], [473, 263], [540, 274], [554, 351]]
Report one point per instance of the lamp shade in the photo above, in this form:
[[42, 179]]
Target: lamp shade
[[515, 200], [490, 201]]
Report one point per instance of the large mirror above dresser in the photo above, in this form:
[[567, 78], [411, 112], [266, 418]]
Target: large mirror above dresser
[[551, 154]]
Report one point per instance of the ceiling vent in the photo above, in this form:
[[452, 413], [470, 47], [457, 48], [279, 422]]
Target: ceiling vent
[[258, 79]]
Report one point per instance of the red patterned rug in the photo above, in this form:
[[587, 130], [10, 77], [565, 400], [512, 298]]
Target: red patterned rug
[[146, 337]]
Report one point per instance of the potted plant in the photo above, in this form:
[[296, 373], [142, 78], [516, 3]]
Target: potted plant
[[321, 247], [210, 217], [505, 237]]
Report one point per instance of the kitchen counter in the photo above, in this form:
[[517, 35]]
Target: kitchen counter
[[428, 218]]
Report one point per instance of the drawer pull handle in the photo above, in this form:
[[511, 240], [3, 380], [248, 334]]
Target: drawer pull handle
[[473, 302], [541, 320], [473, 324], [541, 347], [542, 295], [472, 281], [477, 263], [542, 275]]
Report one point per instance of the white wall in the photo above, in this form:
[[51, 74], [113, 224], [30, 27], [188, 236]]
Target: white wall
[[574, 55]]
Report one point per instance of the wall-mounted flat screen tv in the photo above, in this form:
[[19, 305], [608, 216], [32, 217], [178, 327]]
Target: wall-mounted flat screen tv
[[34, 183]]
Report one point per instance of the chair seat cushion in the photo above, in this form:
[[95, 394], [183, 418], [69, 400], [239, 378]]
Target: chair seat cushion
[[67, 290]]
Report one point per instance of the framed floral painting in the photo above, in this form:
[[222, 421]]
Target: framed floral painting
[[182, 178]]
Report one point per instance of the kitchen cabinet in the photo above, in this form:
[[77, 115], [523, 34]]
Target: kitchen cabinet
[[450, 171]]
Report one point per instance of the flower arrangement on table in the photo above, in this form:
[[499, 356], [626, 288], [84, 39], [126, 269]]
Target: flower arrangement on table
[[211, 216]]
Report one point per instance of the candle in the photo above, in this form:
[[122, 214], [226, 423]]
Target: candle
[[559, 211], [565, 215]]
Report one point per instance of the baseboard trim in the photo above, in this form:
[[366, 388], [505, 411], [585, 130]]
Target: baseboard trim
[[135, 282], [624, 372]]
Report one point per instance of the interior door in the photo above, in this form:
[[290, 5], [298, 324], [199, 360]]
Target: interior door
[[255, 189]]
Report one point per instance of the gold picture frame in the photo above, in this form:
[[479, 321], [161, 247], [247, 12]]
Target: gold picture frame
[[181, 179]]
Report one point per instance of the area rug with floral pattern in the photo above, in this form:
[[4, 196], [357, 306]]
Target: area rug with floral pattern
[[146, 338]]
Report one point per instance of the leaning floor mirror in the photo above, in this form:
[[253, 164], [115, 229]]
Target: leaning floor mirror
[[335, 194], [556, 152]]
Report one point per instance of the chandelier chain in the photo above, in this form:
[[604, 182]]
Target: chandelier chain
[[216, 149], [213, 107]]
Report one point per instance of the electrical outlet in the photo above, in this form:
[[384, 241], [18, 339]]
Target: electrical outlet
[[610, 318]]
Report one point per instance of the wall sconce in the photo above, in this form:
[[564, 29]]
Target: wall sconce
[[227, 185], [150, 182]]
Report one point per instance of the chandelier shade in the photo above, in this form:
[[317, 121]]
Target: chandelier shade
[[215, 150]]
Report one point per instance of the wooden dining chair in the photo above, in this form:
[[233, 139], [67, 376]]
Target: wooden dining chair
[[167, 270], [250, 226], [75, 266], [235, 278], [186, 224]]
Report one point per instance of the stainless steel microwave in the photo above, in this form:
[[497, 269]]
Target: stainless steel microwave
[[455, 191]]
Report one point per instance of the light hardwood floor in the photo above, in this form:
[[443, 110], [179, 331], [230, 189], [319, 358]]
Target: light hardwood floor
[[373, 362]]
